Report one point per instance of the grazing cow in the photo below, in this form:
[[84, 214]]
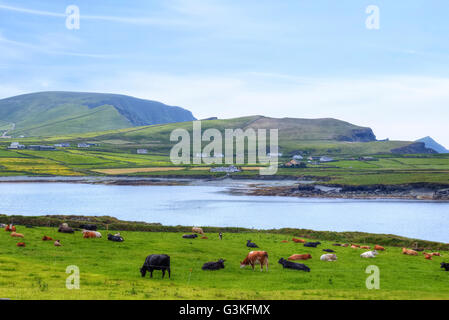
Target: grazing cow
[[427, 256], [444, 265], [250, 244], [365, 247], [432, 254], [64, 228], [57, 243], [328, 257], [17, 235], [45, 238], [312, 244], [220, 235], [190, 236], [306, 256], [379, 248], [197, 230], [214, 265], [354, 246], [256, 257], [298, 240], [369, 254], [90, 227], [91, 234], [293, 265], [284, 241], [328, 250], [21, 244], [115, 238], [156, 262], [10, 228], [409, 252]]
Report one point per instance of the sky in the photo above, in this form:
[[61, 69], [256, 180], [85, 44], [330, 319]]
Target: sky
[[231, 58]]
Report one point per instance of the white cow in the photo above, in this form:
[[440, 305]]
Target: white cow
[[328, 257], [369, 254]]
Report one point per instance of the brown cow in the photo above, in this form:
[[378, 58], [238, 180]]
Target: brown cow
[[17, 235], [379, 248], [284, 241], [57, 243], [91, 234], [204, 238], [256, 257], [10, 228], [306, 256], [298, 240], [353, 246], [20, 244], [428, 256], [365, 247], [409, 252], [432, 254], [197, 230], [45, 238]]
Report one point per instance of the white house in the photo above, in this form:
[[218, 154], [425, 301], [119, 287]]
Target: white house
[[326, 159], [229, 169], [297, 157], [16, 145], [142, 151]]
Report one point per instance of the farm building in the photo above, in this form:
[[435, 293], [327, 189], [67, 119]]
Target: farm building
[[229, 169], [142, 151], [16, 145]]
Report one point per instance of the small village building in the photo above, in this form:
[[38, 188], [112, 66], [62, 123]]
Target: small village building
[[142, 151], [230, 169], [274, 154], [41, 148], [298, 157], [62, 145], [326, 159], [16, 145]]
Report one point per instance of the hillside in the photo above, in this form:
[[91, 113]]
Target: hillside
[[432, 144], [58, 113]]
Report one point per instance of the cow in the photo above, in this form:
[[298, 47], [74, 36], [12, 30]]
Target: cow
[[197, 230], [156, 262], [21, 244], [355, 246], [64, 228], [365, 247], [328, 250], [220, 235], [328, 257], [46, 238], [256, 257], [91, 234], [432, 254], [115, 238], [90, 227], [306, 256], [369, 254], [10, 228], [427, 256], [293, 265], [312, 244], [250, 244], [214, 265], [17, 235], [298, 240], [204, 237], [190, 236], [284, 241], [57, 243], [379, 248], [444, 265], [337, 244], [345, 245], [409, 252], [2, 225]]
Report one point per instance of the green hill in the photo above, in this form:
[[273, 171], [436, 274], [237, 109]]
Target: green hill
[[59, 113]]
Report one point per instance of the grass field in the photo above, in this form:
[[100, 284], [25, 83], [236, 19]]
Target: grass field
[[110, 270]]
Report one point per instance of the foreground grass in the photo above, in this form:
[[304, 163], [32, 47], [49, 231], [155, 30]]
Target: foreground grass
[[110, 270]]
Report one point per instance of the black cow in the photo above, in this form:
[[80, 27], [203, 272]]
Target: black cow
[[250, 244], [156, 262], [337, 244], [328, 250], [90, 227], [293, 265], [445, 266], [115, 238], [190, 236], [214, 265], [312, 244], [65, 229]]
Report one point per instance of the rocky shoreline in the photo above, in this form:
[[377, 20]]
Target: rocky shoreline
[[418, 191]]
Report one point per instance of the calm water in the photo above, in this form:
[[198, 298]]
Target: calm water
[[209, 206]]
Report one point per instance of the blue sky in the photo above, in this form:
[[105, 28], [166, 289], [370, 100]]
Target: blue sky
[[290, 58]]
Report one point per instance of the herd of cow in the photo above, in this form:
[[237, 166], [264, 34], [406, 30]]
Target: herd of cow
[[253, 258]]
